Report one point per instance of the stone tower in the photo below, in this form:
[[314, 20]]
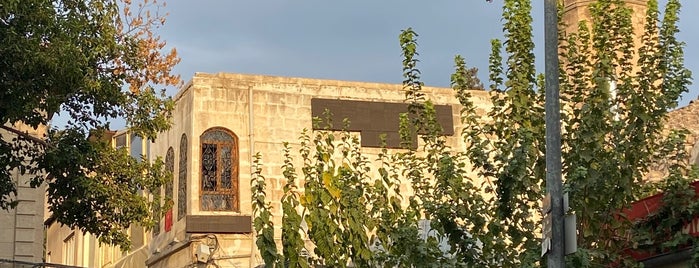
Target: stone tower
[[684, 117], [578, 10]]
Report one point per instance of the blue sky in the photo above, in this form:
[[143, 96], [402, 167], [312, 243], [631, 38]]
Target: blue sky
[[353, 40]]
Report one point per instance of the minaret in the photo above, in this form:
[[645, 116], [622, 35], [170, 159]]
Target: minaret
[[578, 10]]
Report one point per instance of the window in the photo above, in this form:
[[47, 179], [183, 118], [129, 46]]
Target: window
[[219, 170], [69, 249], [156, 226], [136, 147], [170, 166], [121, 140], [182, 180]]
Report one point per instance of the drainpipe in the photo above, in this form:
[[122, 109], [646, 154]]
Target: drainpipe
[[251, 138], [251, 128]]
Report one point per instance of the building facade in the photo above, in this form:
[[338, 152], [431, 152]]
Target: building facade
[[221, 120], [21, 231]]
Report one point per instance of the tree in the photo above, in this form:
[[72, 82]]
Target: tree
[[469, 76], [614, 117], [612, 111], [94, 61]]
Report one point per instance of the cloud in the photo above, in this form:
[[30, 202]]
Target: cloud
[[350, 40]]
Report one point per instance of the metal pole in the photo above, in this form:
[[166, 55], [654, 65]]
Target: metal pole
[[555, 257]]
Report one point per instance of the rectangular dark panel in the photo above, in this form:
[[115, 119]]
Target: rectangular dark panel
[[372, 119], [373, 139], [221, 224]]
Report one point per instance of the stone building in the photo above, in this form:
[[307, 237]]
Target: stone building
[[21, 232], [221, 120]]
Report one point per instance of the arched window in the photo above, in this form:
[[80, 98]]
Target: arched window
[[182, 180], [219, 170], [170, 166]]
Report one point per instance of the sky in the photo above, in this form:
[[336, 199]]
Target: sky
[[354, 40]]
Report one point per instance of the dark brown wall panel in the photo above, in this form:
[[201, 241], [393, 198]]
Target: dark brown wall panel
[[220, 224], [372, 119]]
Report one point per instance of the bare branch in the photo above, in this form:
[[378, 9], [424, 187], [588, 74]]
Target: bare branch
[[26, 135]]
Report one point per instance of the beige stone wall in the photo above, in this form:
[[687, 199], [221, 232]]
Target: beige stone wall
[[182, 118], [688, 118], [21, 229], [230, 250], [61, 238], [56, 234], [682, 118], [281, 109]]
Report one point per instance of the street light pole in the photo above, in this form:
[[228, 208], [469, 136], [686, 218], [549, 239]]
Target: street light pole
[[555, 257]]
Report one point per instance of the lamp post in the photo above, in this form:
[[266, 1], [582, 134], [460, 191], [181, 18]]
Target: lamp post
[[555, 257]]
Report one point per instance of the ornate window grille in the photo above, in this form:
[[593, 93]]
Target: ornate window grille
[[219, 170], [182, 180], [169, 191]]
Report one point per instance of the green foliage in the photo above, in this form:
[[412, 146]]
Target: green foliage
[[335, 197], [411, 75], [482, 201], [519, 144], [93, 61], [469, 76], [411, 84], [261, 209], [89, 169], [614, 118], [292, 242], [676, 77]]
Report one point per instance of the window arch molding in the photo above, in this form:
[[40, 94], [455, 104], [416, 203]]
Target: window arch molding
[[219, 170]]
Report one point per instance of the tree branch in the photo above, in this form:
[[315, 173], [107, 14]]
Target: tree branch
[[26, 135]]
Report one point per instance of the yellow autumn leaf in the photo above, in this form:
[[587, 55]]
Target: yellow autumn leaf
[[334, 192], [327, 178], [327, 182], [302, 200]]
